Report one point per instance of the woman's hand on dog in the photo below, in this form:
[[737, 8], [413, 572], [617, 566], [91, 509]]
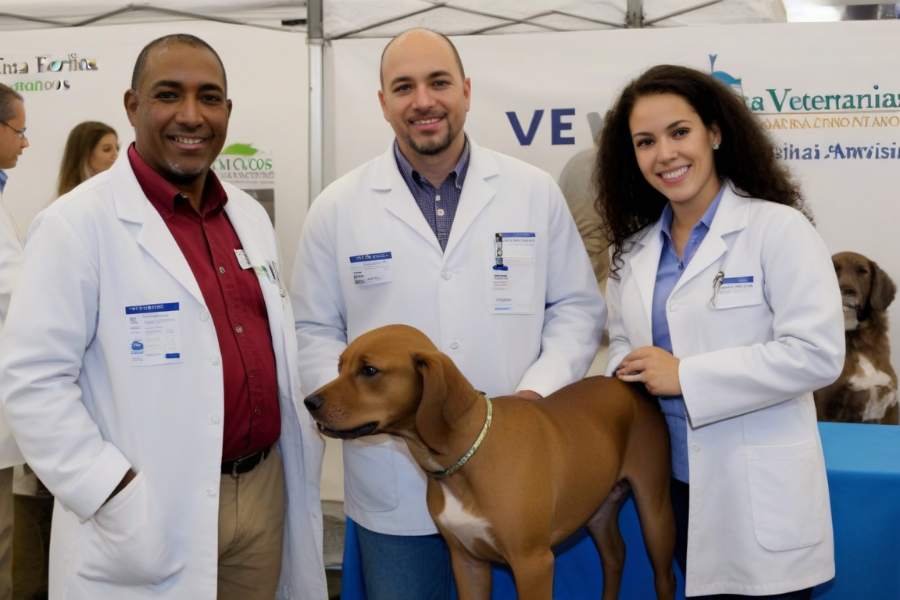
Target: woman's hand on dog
[[654, 367]]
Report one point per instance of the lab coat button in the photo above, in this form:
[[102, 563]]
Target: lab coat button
[[214, 360], [674, 307], [695, 447], [211, 492], [215, 420], [204, 316], [447, 275], [454, 345]]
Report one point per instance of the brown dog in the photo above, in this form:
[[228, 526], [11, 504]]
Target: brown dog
[[511, 478], [866, 391]]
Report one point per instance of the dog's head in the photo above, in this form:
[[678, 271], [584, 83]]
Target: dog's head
[[865, 288], [390, 380]]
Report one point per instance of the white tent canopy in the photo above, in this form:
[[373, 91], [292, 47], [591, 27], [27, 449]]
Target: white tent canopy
[[344, 18]]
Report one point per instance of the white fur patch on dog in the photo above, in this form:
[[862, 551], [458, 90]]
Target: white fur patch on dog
[[879, 385], [465, 526]]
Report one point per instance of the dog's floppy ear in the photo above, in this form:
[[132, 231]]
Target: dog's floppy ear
[[883, 289], [445, 392]]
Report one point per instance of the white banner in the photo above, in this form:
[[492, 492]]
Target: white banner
[[72, 75], [830, 100]]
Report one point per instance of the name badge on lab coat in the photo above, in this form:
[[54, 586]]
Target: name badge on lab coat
[[733, 292], [154, 333], [511, 275], [371, 269]]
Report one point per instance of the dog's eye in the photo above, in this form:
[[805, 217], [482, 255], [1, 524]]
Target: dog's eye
[[863, 271], [369, 371]]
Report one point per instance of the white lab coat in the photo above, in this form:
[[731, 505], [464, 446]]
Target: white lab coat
[[10, 257], [83, 414], [760, 516], [445, 295]]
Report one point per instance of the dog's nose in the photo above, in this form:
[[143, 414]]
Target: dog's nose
[[313, 402]]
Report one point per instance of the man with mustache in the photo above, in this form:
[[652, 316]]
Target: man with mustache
[[477, 250], [149, 366]]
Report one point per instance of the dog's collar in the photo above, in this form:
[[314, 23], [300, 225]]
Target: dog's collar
[[467, 455]]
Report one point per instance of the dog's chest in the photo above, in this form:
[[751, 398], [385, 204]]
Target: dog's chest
[[466, 527], [880, 387]]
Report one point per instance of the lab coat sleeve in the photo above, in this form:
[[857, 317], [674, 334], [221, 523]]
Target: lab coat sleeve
[[619, 344], [317, 300], [807, 349], [53, 317], [575, 311], [10, 255]]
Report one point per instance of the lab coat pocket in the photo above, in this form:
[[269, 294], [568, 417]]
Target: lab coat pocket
[[789, 495], [123, 544], [371, 481]]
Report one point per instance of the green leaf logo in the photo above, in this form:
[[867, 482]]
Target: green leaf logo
[[240, 149]]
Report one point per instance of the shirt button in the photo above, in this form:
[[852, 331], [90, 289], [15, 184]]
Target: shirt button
[[215, 420], [204, 316], [447, 275], [454, 345], [256, 410], [440, 212], [437, 198], [222, 270], [695, 447], [214, 360], [239, 329]]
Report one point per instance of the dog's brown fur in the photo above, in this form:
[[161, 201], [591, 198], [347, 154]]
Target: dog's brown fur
[[866, 391], [545, 468]]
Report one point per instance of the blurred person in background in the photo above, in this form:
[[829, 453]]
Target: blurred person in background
[[92, 148]]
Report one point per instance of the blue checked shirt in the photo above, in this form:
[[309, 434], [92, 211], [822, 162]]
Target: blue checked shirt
[[3, 178], [437, 205], [667, 275]]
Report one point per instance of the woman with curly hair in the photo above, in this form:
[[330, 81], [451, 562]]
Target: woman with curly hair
[[724, 304]]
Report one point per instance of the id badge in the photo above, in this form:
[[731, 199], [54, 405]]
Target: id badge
[[511, 286], [371, 269], [738, 291], [154, 333]]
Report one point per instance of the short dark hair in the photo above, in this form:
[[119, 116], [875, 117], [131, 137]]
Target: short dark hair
[[185, 39], [8, 98], [82, 140], [459, 64], [746, 155]]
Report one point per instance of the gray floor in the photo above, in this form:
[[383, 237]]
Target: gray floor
[[333, 521]]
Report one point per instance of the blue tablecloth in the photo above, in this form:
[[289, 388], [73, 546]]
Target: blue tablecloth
[[863, 463]]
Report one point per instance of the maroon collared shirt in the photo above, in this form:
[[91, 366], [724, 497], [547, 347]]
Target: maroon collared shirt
[[235, 302]]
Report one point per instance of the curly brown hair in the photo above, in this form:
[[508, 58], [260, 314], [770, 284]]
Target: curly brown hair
[[746, 156]]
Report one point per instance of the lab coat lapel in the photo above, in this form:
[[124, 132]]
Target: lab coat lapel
[[476, 193], [252, 234], [386, 177], [644, 265], [153, 236], [732, 215]]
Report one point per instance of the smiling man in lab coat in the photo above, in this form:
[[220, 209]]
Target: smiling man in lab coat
[[477, 250], [147, 368]]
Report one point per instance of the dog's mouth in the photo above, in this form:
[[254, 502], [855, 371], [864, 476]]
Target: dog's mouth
[[348, 434], [850, 301]]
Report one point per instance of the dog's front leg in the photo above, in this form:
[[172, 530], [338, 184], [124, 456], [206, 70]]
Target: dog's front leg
[[473, 576], [533, 575]]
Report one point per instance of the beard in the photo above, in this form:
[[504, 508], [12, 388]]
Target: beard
[[433, 146]]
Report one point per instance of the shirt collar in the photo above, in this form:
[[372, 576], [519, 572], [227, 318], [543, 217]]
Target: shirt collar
[[163, 194], [706, 220], [3, 178], [462, 166]]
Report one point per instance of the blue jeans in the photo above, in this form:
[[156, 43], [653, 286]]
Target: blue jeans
[[681, 501], [404, 567]]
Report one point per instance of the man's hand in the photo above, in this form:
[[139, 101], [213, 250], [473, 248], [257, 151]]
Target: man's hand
[[122, 484], [655, 368]]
